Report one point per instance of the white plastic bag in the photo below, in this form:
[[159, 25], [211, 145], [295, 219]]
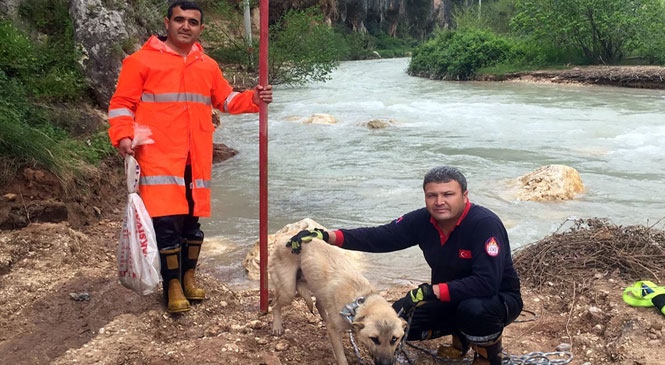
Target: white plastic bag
[[138, 256]]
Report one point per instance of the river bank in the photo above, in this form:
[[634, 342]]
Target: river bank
[[644, 77]]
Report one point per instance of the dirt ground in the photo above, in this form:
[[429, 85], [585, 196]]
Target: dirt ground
[[61, 303]]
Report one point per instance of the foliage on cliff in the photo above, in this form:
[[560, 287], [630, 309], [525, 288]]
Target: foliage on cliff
[[534, 34]]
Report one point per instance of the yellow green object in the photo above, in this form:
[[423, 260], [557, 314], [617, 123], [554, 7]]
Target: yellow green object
[[645, 294]]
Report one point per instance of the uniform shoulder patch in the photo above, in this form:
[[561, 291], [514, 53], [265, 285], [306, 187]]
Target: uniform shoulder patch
[[492, 247]]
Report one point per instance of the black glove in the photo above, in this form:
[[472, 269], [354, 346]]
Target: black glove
[[295, 243], [423, 293]]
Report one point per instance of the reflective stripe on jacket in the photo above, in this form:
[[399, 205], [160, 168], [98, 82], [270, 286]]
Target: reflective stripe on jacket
[[174, 97]]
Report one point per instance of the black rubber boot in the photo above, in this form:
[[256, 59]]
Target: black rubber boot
[[456, 350], [488, 353], [173, 295], [191, 250]]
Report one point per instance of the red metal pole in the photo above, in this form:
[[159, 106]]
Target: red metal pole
[[263, 159]]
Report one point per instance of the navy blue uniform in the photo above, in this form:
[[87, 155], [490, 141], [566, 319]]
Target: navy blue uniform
[[474, 262]]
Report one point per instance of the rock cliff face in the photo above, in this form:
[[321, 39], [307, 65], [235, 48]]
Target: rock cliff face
[[100, 32], [416, 18]]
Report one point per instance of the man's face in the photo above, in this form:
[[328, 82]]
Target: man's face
[[184, 28], [445, 201]]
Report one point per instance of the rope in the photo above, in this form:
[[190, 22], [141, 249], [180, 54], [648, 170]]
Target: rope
[[533, 314], [400, 349]]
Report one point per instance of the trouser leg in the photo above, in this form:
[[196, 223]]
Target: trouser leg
[[430, 320], [476, 322], [482, 320], [168, 236], [435, 319], [192, 242]]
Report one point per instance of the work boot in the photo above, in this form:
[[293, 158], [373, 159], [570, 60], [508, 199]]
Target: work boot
[[488, 353], [192, 248], [456, 350], [177, 302], [173, 295]]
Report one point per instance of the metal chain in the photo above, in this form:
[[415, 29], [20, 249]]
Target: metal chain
[[540, 358], [532, 358], [355, 347]]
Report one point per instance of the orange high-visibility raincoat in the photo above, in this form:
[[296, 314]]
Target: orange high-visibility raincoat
[[174, 97]]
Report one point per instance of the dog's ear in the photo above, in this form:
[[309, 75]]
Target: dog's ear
[[404, 323], [358, 324]]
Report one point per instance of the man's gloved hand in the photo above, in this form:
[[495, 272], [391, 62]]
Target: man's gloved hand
[[304, 236], [423, 293]]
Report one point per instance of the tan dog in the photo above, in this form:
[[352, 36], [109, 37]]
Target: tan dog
[[338, 285]]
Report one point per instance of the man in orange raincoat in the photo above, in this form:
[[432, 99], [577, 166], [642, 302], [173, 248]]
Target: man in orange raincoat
[[170, 85]]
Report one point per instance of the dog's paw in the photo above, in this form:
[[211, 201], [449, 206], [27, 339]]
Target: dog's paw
[[277, 330]]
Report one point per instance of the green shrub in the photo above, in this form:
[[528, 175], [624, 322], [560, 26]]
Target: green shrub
[[388, 46], [54, 73], [603, 31], [356, 46], [28, 145], [456, 55], [303, 48], [17, 55]]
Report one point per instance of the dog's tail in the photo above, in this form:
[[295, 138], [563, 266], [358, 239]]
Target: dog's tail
[[303, 291]]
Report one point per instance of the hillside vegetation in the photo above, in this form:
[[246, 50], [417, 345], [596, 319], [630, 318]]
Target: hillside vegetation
[[508, 36]]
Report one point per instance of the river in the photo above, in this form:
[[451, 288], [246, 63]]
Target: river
[[346, 175]]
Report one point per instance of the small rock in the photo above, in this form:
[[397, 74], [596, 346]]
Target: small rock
[[256, 324], [281, 346], [80, 297], [564, 347]]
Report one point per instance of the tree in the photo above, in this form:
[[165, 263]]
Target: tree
[[604, 30], [303, 48]]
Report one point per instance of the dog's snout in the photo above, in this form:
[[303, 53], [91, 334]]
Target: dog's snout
[[384, 361]]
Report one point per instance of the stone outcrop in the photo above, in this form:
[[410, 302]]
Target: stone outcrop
[[417, 18], [550, 182], [106, 36], [377, 123], [320, 118]]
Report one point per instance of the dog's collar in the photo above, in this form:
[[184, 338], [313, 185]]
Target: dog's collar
[[349, 310]]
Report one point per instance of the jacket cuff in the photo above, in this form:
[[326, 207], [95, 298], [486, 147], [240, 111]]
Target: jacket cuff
[[339, 238], [444, 293]]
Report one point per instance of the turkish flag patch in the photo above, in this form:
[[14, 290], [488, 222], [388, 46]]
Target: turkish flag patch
[[464, 254], [492, 247]]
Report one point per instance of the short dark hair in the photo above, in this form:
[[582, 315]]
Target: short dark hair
[[184, 5], [444, 174]]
